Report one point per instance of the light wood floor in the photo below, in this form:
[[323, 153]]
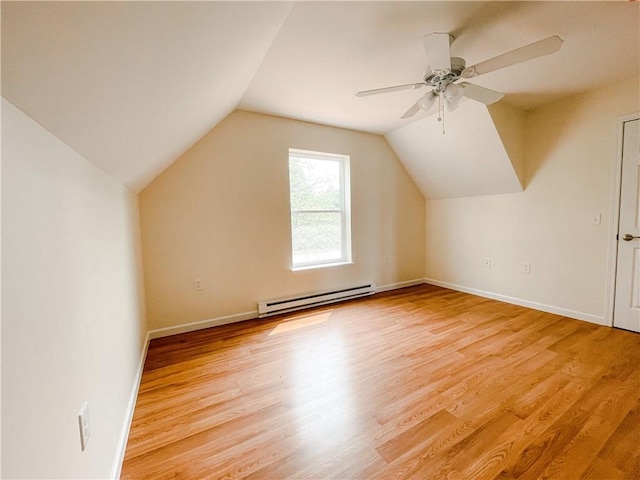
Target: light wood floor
[[418, 383]]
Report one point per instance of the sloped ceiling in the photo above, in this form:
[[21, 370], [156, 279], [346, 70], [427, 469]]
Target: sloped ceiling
[[132, 85], [470, 159]]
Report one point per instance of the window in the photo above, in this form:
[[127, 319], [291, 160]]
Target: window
[[320, 209]]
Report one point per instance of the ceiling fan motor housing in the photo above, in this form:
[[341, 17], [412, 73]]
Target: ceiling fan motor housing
[[443, 78]]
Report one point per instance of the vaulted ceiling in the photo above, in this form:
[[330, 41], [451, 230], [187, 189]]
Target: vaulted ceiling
[[132, 85]]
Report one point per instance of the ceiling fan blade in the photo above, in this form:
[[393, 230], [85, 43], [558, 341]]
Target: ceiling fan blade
[[415, 108], [480, 94], [519, 55], [396, 88], [436, 46]]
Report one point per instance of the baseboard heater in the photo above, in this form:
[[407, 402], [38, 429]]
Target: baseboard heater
[[290, 304]]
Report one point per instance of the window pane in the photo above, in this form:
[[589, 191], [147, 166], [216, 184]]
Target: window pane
[[317, 237], [314, 184]]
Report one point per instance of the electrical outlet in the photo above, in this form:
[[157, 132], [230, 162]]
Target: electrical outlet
[[85, 427], [487, 262], [525, 268], [197, 284]]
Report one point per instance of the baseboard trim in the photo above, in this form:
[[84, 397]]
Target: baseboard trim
[[396, 286], [565, 312], [202, 324], [131, 406]]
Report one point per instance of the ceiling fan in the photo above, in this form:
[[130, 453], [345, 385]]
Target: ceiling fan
[[444, 71]]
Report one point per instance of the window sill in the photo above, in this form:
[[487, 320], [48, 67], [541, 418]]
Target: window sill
[[322, 265]]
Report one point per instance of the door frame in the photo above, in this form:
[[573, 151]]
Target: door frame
[[614, 221]]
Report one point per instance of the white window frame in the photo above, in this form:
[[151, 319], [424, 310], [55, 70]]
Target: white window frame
[[345, 211]]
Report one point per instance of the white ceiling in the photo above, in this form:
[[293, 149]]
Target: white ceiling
[[131, 85]]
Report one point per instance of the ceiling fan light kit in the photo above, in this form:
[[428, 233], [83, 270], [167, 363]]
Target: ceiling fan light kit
[[427, 101], [444, 70]]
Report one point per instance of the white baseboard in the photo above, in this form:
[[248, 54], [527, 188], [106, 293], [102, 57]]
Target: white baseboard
[[565, 312], [131, 406], [395, 286], [193, 326]]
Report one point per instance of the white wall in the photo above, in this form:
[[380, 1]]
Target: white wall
[[569, 165], [221, 213], [73, 320]]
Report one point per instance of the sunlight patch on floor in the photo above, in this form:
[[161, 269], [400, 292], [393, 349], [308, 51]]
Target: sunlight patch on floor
[[301, 321]]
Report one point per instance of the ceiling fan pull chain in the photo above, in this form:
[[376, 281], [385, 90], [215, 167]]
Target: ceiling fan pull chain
[[442, 95], [441, 110]]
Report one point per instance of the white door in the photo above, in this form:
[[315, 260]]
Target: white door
[[626, 312]]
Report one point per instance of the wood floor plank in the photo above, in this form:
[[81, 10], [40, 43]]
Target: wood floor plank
[[627, 433], [421, 382], [464, 454], [601, 470], [575, 457], [555, 440], [496, 458], [415, 436]]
